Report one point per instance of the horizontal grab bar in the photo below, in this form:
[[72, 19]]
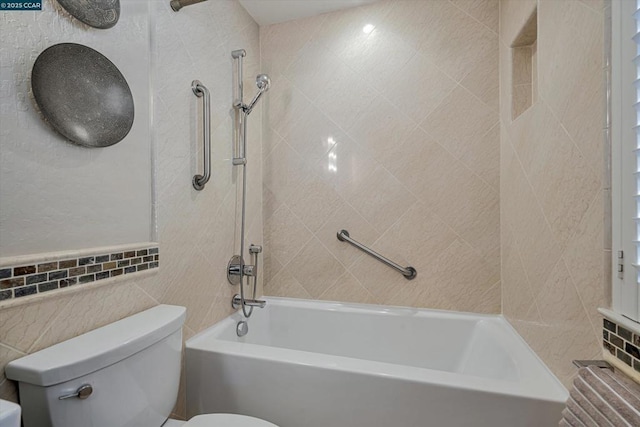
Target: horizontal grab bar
[[409, 273]]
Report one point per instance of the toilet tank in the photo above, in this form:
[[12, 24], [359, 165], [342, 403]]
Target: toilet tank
[[132, 366]]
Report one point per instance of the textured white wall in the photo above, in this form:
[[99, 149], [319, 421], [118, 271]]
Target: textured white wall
[[55, 195], [197, 230]]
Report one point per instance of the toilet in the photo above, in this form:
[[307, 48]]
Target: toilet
[[125, 374]]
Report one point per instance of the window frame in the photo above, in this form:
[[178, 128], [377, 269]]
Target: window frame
[[625, 289]]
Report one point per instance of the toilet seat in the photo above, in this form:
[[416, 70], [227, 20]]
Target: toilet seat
[[226, 420]]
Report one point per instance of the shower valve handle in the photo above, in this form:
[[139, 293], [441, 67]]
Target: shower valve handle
[[248, 270]]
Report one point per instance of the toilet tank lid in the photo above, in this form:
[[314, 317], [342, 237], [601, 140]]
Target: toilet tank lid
[[97, 349]]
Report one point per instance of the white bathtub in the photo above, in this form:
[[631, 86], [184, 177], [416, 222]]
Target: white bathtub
[[320, 364]]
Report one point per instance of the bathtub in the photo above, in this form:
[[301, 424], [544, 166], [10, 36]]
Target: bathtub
[[322, 364]]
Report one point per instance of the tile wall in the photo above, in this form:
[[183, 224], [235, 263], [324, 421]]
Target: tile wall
[[383, 120], [622, 346], [197, 231], [552, 180], [24, 276]]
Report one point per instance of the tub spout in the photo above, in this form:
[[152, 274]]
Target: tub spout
[[237, 302]]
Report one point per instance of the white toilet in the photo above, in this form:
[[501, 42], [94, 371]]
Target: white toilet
[[125, 374]]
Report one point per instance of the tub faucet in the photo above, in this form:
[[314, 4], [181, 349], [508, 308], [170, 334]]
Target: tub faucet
[[236, 270], [237, 302]]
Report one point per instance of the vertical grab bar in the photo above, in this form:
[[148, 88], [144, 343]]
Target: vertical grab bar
[[201, 91]]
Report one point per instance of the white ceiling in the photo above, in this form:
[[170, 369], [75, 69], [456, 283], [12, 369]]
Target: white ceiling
[[267, 12]]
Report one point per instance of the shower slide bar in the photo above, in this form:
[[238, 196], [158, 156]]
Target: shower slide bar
[[237, 269], [409, 273], [201, 91]]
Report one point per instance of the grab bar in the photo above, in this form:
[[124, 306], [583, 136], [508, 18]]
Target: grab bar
[[409, 273], [201, 91]]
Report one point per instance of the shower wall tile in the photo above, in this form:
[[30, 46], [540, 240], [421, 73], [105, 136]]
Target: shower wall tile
[[289, 173], [346, 167], [482, 10], [482, 159], [528, 224], [381, 128], [517, 296], [381, 199], [347, 289], [280, 48], [422, 84], [308, 135], [454, 40], [197, 231], [285, 285], [483, 80], [285, 105], [582, 62], [315, 268], [385, 123], [285, 235], [313, 201], [346, 112], [458, 121], [553, 271]]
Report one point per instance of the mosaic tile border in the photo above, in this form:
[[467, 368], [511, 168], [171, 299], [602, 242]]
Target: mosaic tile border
[[621, 343], [36, 278]]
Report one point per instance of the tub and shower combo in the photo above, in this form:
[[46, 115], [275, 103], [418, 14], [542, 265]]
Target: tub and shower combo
[[320, 364]]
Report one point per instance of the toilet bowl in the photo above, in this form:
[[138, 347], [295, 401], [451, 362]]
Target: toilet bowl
[[125, 374], [220, 420]]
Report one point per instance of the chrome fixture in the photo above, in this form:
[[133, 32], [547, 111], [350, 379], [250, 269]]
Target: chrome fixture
[[83, 392], [176, 5], [242, 328], [201, 91], [264, 83], [237, 269], [239, 157], [409, 273], [236, 302]]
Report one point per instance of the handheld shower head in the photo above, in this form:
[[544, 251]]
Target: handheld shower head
[[264, 83]]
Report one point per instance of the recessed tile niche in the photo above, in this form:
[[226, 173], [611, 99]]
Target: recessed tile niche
[[524, 66]]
